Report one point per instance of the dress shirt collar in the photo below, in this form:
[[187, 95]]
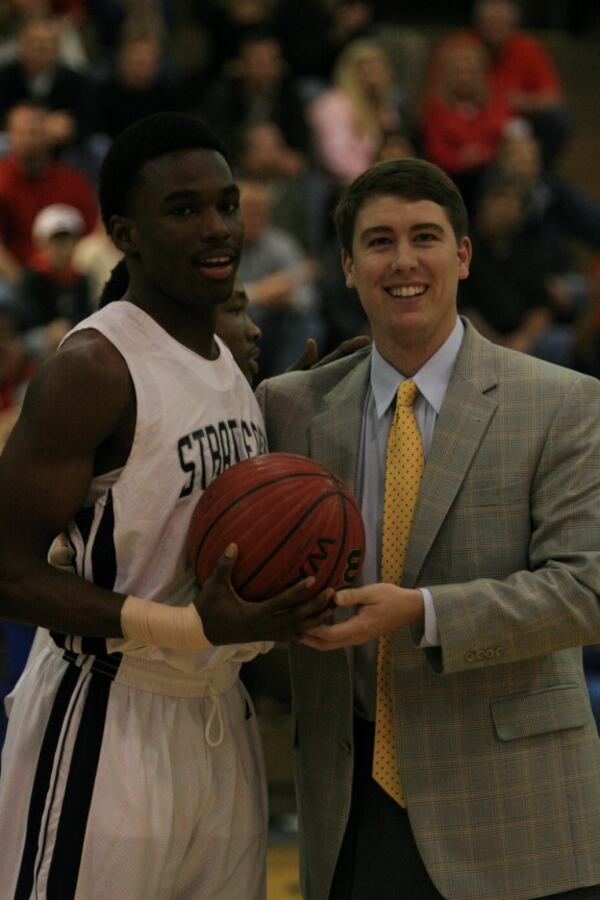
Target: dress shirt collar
[[432, 379]]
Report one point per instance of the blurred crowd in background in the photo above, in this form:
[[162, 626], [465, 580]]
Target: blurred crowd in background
[[306, 94]]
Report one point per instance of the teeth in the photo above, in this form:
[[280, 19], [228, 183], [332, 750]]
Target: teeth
[[217, 261], [409, 291]]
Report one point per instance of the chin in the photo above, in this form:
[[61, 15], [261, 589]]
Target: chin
[[212, 298]]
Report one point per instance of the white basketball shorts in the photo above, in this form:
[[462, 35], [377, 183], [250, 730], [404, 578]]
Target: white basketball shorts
[[113, 793]]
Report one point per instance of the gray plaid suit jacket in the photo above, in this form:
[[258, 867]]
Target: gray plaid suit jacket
[[498, 750]]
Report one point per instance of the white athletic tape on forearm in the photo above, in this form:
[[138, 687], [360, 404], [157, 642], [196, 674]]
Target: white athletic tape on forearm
[[171, 627]]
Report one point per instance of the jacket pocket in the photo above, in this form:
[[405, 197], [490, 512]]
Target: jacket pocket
[[540, 712]]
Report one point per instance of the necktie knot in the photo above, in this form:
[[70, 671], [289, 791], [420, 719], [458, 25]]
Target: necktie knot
[[407, 392]]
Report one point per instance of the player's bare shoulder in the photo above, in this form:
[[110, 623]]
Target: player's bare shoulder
[[91, 356]]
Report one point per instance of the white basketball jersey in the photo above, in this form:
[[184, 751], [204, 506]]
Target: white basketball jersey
[[195, 417]]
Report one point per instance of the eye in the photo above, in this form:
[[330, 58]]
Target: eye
[[426, 237], [231, 207], [381, 241], [182, 211]]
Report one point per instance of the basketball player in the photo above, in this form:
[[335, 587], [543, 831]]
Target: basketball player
[[131, 766]]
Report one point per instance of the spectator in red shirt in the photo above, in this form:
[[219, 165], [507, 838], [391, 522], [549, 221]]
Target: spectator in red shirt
[[464, 120], [521, 69], [30, 180]]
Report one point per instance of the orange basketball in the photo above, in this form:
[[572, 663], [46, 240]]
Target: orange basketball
[[290, 518]]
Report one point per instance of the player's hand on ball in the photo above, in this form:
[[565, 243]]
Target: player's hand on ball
[[229, 619], [379, 609]]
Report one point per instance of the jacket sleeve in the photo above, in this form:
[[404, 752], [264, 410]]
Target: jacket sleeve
[[554, 603]]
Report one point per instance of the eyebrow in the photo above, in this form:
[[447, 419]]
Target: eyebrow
[[230, 191], [420, 226]]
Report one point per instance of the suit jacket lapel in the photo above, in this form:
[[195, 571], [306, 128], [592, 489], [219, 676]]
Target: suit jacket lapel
[[335, 432], [463, 420]]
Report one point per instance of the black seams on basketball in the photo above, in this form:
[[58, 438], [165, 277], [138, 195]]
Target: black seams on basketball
[[290, 518]]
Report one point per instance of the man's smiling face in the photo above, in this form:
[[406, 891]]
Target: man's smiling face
[[405, 264]]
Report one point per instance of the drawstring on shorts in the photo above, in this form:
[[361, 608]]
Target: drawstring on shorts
[[215, 712]]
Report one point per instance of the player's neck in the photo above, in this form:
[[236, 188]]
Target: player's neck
[[193, 328]]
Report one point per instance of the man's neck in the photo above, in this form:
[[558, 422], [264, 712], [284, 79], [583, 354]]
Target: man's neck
[[410, 356]]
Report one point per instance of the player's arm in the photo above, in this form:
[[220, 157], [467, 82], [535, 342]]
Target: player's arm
[[73, 409]]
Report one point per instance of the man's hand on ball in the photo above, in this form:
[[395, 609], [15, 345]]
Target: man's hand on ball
[[380, 609], [229, 619]]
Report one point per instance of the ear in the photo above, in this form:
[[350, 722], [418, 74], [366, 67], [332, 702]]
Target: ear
[[122, 232], [465, 252], [348, 267]]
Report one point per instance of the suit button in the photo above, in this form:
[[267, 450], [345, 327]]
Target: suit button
[[499, 651], [346, 746], [490, 654], [480, 655], [470, 656]]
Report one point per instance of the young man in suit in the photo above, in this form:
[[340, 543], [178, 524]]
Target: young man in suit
[[494, 789]]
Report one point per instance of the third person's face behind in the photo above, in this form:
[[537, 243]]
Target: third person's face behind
[[235, 327], [406, 264]]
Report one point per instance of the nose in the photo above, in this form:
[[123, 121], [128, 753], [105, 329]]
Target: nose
[[405, 257], [253, 332], [214, 226]]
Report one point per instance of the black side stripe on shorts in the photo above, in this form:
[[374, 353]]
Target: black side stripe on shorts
[[66, 857], [41, 783]]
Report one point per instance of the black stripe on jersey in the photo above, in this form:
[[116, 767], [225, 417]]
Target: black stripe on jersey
[[84, 520], [66, 857], [41, 782], [58, 638], [104, 554], [104, 570]]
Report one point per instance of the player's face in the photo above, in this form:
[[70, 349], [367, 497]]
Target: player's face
[[236, 328], [406, 265], [185, 231]]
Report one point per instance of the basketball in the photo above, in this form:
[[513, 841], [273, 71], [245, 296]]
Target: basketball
[[290, 518]]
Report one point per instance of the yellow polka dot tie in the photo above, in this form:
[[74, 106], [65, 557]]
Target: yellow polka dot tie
[[403, 470]]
